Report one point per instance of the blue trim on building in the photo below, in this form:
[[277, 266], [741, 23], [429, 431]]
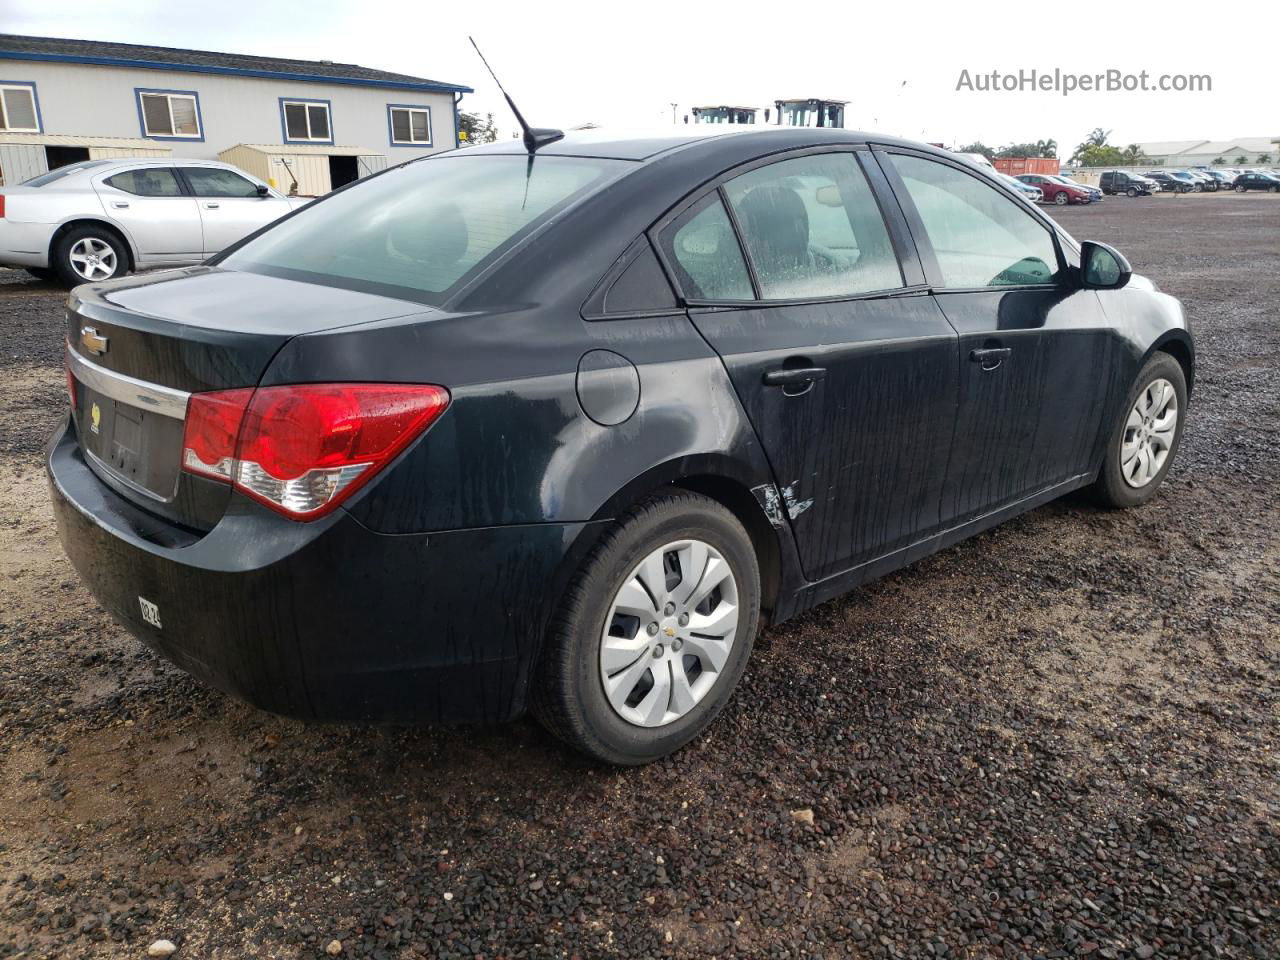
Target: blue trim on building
[[431, 133], [284, 126], [142, 121], [429, 87], [35, 102]]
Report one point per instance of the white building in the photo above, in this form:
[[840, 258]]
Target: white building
[[1202, 153], [62, 101]]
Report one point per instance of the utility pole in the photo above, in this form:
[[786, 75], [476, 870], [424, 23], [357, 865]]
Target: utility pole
[[673, 113]]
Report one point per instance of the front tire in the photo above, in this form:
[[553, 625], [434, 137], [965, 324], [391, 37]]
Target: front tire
[[653, 636], [1144, 441], [1132, 191], [1061, 198], [89, 255]]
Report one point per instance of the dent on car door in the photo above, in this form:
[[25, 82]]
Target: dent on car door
[[230, 206], [1035, 352], [151, 206], [846, 372]]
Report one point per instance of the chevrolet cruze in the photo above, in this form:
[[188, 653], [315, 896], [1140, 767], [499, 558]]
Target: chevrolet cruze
[[501, 430]]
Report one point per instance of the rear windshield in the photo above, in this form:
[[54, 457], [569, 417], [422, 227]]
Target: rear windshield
[[418, 231], [61, 172]]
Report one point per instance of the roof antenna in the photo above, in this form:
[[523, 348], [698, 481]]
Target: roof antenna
[[534, 137]]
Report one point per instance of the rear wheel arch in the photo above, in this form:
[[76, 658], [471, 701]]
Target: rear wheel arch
[[727, 482], [104, 225]]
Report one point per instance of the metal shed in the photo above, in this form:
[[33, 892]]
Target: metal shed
[[27, 155], [316, 169]]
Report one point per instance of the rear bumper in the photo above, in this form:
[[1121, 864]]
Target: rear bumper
[[24, 244], [326, 620]]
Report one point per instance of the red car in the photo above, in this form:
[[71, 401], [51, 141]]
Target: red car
[[1055, 189]]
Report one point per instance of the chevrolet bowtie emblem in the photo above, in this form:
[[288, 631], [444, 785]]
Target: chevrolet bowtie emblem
[[93, 341], [669, 631]]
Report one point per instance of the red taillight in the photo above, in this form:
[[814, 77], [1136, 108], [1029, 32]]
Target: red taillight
[[1, 206], [304, 449]]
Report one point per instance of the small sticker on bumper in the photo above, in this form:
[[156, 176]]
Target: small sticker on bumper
[[150, 612]]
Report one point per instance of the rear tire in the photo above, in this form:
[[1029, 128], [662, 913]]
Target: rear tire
[[89, 254], [1122, 482], [569, 695]]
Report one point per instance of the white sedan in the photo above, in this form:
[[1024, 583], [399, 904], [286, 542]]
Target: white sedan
[[100, 219]]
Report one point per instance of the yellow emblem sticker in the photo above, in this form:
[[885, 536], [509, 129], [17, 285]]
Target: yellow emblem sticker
[[95, 415]]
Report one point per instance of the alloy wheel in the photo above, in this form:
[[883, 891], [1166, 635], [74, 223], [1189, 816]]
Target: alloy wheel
[[669, 632], [93, 259], [1149, 433]]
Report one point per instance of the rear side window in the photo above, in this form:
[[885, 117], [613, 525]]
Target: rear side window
[[215, 182], [147, 182], [58, 174], [813, 229], [417, 231], [704, 251], [980, 236]]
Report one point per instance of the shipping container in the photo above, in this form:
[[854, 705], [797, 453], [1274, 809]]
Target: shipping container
[[1013, 166]]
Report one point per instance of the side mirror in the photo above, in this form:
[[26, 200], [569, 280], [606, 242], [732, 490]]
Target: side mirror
[[1103, 267], [263, 190]]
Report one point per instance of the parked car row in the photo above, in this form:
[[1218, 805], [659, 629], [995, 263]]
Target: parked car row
[[99, 219], [1061, 190], [1115, 182]]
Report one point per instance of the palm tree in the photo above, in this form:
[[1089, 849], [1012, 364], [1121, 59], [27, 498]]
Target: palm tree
[[1218, 161], [1133, 155], [1242, 159], [1046, 148], [1264, 158]]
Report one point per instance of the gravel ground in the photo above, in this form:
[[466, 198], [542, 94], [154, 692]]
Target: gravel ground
[[1058, 739]]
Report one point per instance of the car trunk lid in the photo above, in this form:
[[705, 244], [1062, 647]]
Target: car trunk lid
[[137, 349]]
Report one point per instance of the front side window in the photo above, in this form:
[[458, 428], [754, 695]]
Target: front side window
[[215, 182], [18, 108], [169, 114], [147, 182], [411, 125], [980, 236], [306, 120], [813, 229], [704, 251], [418, 230]]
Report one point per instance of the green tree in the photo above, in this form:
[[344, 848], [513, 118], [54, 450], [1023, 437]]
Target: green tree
[[1242, 159], [1134, 156], [978, 147], [1217, 161], [1041, 148], [1093, 142], [474, 129], [1264, 158], [1095, 155]]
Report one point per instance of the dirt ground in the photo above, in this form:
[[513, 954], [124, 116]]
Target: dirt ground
[[1059, 739]]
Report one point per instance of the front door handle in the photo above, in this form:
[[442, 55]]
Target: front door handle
[[790, 376], [120, 204], [990, 357], [211, 206]]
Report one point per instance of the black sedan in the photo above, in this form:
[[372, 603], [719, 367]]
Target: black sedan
[[560, 430], [1257, 181]]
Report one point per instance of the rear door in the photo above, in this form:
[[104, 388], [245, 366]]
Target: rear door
[[1035, 350], [157, 213], [230, 205], [844, 364]]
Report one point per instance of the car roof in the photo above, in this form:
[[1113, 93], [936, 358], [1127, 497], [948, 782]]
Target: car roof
[[647, 145]]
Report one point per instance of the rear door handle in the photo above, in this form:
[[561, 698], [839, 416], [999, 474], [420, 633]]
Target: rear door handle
[[211, 206], [990, 357], [789, 376]]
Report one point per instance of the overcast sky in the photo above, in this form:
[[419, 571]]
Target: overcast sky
[[624, 64]]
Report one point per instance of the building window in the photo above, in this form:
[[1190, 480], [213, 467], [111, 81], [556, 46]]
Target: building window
[[18, 110], [410, 126], [306, 121], [170, 114]]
